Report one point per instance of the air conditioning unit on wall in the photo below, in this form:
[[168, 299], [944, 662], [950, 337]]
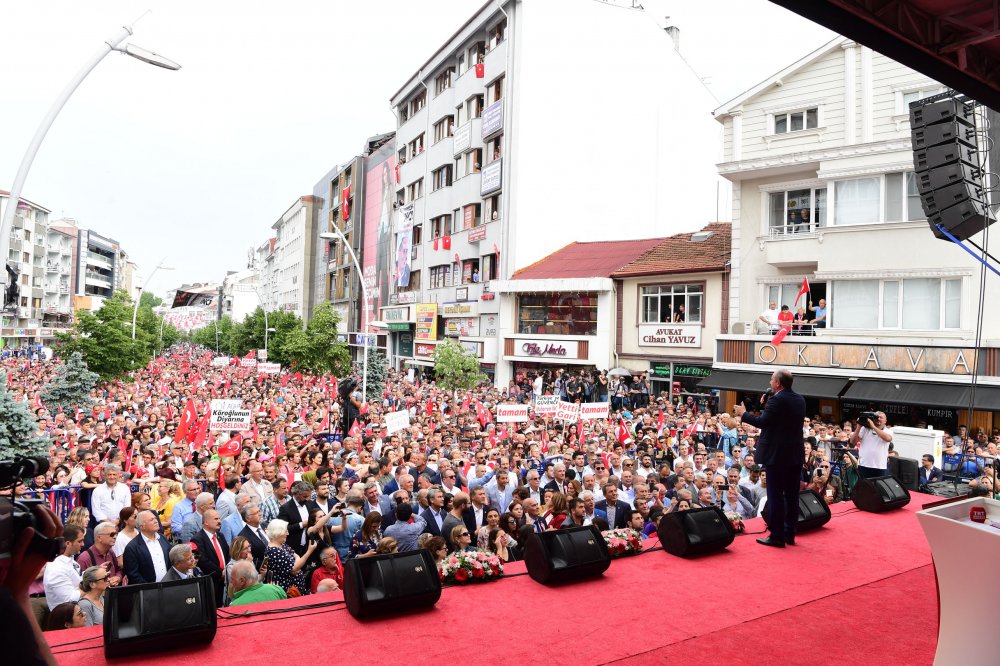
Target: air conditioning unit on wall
[[740, 328]]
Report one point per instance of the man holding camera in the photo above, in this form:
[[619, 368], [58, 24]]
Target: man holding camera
[[780, 449], [873, 445]]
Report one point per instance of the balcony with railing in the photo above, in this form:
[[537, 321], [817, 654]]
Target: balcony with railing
[[51, 267]]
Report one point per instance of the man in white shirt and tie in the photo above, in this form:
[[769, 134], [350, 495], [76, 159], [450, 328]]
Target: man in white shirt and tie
[[110, 497], [62, 575]]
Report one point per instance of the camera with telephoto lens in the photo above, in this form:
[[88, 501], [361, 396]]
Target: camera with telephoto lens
[[751, 406], [346, 387], [864, 417], [18, 515]]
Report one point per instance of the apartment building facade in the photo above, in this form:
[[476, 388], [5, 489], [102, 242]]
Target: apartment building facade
[[27, 251], [824, 192], [295, 256]]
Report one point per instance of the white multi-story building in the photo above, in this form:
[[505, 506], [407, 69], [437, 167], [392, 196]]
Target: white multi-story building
[[265, 268], [27, 250], [821, 163], [539, 123], [60, 247], [294, 257], [239, 294]]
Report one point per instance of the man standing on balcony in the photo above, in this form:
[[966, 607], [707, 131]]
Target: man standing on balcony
[[821, 312], [770, 317]]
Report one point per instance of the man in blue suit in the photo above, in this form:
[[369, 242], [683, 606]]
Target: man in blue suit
[[141, 560], [781, 451]]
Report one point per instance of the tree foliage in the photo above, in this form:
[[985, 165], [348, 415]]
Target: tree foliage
[[18, 427], [455, 368], [315, 348], [378, 372], [70, 386], [104, 338]]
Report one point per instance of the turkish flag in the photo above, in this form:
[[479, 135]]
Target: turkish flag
[[465, 403], [779, 336], [188, 419], [493, 438], [364, 408], [279, 445], [480, 70], [660, 421], [446, 242], [579, 431], [249, 354], [457, 259], [345, 204], [480, 413], [545, 440], [435, 243], [397, 174], [803, 290], [324, 425], [274, 412], [622, 432], [202, 434], [355, 429], [430, 406], [232, 448]]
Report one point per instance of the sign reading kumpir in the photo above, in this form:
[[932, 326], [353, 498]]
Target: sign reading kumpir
[[934, 360]]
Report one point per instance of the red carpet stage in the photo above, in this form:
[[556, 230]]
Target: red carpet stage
[[860, 590]]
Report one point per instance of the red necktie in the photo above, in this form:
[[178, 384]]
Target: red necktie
[[218, 552]]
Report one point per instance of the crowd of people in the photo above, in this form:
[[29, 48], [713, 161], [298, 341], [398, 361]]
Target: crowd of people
[[276, 510]]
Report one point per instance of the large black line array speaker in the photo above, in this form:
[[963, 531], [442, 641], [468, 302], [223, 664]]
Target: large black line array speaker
[[391, 583], [559, 556], [139, 619], [813, 512], [695, 532], [882, 493], [945, 157]]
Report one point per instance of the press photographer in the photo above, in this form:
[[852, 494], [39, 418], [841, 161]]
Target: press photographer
[[872, 440]]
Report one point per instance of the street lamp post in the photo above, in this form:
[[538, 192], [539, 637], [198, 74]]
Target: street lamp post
[[135, 310], [6, 222], [337, 234]]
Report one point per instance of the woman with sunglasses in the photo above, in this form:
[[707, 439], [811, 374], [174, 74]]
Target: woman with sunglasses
[[93, 585], [461, 538]]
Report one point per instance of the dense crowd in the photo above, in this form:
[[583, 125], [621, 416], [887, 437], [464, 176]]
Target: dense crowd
[[149, 493]]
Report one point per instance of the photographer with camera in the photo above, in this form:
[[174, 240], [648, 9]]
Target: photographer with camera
[[351, 398], [872, 441], [780, 449]]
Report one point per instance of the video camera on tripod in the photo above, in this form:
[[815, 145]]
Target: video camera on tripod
[[16, 515]]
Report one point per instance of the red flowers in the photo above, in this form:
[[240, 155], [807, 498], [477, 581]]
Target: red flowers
[[476, 573], [461, 575]]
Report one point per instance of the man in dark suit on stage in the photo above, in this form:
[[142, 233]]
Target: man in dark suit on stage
[[613, 508], [296, 513], [781, 450], [212, 552], [137, 559]]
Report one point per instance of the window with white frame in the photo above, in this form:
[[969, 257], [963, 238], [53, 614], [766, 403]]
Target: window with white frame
[[681, 303], [494, 92], [905, 304], [793, 121], [905, 97], [415, 190], [902, 199], [443, 81], [440, 276], [443, 128], [795, 211], [441, 177], [416, 146], [890, 197]]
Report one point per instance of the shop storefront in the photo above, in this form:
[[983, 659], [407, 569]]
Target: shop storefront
[[681, 381], [399, 325]]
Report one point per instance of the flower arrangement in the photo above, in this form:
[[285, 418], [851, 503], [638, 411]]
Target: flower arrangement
[[735, 521], [474, 566], [623, 542]]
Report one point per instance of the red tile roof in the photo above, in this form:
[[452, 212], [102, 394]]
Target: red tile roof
[[681, 254], [586, 260]]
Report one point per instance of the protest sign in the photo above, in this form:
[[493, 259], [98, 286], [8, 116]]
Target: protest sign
[[512, 413]]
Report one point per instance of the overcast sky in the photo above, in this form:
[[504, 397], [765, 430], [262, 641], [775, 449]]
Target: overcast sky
[[196, 165]]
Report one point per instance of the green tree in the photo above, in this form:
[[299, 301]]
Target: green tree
[[104, 338], [378, 372], [148, 300], [18, 427], [315, 349], [70, 386], [455, 368]]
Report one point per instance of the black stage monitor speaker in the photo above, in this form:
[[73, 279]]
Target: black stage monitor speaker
[[813, 512], [906, 471], [392, 583], [559, 556], [882, 493], [139, 619], [695, 532]]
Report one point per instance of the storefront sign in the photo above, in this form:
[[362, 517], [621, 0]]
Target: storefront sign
[[567, 411], [546, 405], [512, 413], [590, 411], [491, 178], [660, 370], [487, 296], [398, 327], [459, 309], [936, 360], [488, 325], [670, 335], [463, 138], [423, 349], [396, 314], [474, 348], [692, 370], [544, 349], [358, 339], [396, 421], [493, 118], [477, 234], [405, 344], [465, 326], [426, 318], [403, 297], [268, 368]]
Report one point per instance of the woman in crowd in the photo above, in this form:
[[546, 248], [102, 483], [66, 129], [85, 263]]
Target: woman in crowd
[[438, 548], [341, 488], [66, 616], [461, 538], [365, 541], [284, 566], [492, 523], [498, 542], [239, 549], [166, 494], [60, 478], [319, 531], [509, 524], [80, 516], [652, 520], [126, 531], [330, 569], [142, 501], [93, 584], [386, 546], [558, 510], [517, 511]]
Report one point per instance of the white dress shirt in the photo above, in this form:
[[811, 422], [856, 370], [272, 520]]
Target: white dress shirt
[[478, 511], [155, 552], [107, 501], [62, 581], [304, 514]]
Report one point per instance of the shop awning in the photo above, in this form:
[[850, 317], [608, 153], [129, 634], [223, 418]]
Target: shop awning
[[734, 380], [909, 393], [987, 398], [819, 387]]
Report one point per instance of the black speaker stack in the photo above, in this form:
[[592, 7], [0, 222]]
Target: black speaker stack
[[813, 512], [695, 532], [879, 494], [391, 583], [560, 556], [946, 161]]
